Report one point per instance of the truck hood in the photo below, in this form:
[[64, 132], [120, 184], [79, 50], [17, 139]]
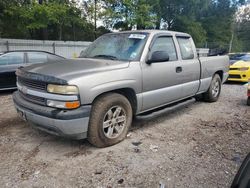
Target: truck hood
[[71, 68], [241, 64]]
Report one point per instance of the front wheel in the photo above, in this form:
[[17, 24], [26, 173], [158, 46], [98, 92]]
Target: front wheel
[[110, 119], [214, 90]]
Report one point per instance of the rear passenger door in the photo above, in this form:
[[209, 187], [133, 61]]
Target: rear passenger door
[[9, 62], [189, 67], [160, 80]]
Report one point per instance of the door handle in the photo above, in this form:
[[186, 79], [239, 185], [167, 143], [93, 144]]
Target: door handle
[[178, 69]]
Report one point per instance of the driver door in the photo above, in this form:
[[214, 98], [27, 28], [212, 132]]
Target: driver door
[[161, 82]]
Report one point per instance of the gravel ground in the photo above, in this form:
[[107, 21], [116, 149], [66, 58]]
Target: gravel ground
[[201, 145]]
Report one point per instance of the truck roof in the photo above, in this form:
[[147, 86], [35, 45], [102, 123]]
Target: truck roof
[[155, 31]]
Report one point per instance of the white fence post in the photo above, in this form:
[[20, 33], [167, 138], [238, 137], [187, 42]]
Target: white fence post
[[7, 46], [54, 47]]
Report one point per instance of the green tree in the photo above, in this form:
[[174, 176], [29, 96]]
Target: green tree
[[46, 19], [128, 14], [242, 29], [10, 22], [217, 22], [187, 25], [208, 21]]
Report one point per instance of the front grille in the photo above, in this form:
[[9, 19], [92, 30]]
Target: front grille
[[234, 76], [234, 68], [33, 99], [34, 84]]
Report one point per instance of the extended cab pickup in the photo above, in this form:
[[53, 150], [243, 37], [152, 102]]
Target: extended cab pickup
[[119, 75]]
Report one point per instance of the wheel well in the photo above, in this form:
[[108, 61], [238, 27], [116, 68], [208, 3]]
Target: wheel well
[[128, 93], [220, 73]]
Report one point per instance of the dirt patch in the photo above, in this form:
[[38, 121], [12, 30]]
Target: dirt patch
[[200, 145], [82, 151]]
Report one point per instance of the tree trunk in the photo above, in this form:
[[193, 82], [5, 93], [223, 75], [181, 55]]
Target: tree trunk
[[60, 32], [158, 19], [31, 33], [74, 31], [158, 23]]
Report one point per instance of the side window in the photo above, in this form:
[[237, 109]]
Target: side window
[[37, 57], [186, 48], [165, 44], [12, 58], [3, 60]]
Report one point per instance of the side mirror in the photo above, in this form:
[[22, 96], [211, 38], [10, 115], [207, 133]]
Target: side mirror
[[158, 56], [242, 178]]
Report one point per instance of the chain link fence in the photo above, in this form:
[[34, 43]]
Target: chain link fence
[[68, 49]]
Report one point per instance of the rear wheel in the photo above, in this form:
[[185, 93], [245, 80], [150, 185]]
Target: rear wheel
[[214, 90], [110, 120], [248, 101]]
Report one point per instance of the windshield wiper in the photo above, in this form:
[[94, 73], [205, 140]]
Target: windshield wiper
[[106, 56]]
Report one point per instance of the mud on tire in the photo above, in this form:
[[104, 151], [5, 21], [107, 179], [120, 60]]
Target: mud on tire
[[214, 90], [110, 119]]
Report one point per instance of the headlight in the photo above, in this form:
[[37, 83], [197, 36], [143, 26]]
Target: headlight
[[243, 68], [62, 89], [63, 104]]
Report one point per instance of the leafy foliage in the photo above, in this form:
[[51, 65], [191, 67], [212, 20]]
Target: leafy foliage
[[211, 23], [56, 20], [128, 14], [242, 29], [185, 24]]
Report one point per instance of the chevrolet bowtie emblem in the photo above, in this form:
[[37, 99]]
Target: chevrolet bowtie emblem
[[24, 90]]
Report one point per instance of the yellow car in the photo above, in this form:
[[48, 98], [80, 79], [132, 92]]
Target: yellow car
[[240, 67], [248, 94]]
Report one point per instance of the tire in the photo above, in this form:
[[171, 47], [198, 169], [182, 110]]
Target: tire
[[110, 119], [214, 90], [248, 101]]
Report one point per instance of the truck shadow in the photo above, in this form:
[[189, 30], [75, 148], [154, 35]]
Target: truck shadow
[[235, 83], [84, 148], [141, 123], [7, 92]]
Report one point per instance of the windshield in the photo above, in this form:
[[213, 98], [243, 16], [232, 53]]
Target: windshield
[[243, 57], [122, 46]]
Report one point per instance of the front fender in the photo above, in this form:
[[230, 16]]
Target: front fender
[[93, 85], [110, 86]]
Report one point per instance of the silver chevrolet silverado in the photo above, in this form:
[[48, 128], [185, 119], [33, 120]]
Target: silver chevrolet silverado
[[120, 75]]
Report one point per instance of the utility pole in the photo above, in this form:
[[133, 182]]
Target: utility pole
[[95, 17], [231, 42]]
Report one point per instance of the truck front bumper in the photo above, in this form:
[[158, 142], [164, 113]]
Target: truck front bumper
[[67, 123]]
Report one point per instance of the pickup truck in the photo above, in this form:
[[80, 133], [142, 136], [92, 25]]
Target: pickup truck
[[120, 75]]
